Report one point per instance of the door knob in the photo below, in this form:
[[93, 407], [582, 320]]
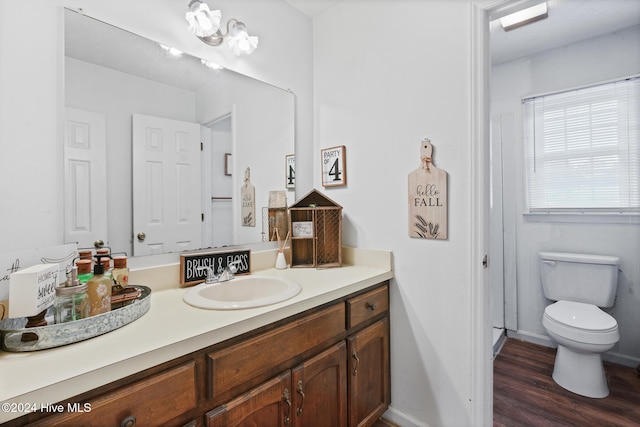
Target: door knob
[[141, 236], [98, 243]]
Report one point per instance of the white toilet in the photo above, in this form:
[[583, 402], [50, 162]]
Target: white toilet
[[580, 284]]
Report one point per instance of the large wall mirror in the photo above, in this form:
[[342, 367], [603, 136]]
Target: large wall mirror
[[158, 145]]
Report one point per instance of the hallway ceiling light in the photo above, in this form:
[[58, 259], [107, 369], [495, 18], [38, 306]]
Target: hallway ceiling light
[[524, 16], [205, 24]]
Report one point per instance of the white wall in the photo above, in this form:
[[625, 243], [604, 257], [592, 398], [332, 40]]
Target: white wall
[[31, 87], [596, 60], [386, 75]]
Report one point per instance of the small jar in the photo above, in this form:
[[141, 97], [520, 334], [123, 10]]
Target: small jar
[[120, 272], [106, 265], [86, 254], [72, 303]]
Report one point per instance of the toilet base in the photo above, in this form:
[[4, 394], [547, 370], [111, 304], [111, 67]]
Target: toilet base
[[580, 373]]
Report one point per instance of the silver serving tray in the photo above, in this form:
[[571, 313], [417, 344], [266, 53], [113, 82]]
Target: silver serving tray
[[60, 334]]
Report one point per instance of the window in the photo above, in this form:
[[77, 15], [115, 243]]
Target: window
[[583, 149]]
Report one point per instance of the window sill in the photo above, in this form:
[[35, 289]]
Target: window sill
[[584, 218]]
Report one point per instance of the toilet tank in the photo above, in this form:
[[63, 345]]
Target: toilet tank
[[590, 279]]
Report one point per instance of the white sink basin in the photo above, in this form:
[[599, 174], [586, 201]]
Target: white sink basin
[[242, 292]]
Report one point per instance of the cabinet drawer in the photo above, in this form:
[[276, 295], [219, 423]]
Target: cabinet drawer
[[152, 401], [255, 360], [366, 306]]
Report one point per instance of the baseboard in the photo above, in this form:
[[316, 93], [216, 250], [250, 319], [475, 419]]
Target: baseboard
[[531, 337], [402, 419], [610, 356], [621, 359]]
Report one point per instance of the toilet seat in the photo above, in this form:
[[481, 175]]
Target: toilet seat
[[581, 322]]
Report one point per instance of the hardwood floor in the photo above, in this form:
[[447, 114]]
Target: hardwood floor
[[524, 394]]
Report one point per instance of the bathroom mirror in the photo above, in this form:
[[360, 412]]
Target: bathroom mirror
[[127, 98]]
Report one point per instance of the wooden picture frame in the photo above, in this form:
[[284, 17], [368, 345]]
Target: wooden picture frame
[[334, 166], [228, 166], [290, 171]]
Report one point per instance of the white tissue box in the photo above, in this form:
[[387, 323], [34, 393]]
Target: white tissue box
[[32, 290]]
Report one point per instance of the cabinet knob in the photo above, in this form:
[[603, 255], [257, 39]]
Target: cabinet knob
[[371, 306], [130, 421]]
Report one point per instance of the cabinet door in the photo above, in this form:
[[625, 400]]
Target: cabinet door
[[320, 389], [369, 394], [268, 405]]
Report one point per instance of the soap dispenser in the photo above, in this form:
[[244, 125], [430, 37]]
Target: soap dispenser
[[99, 290], [72, 301]]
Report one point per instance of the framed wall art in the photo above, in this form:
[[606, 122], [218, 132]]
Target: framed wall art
[[334, 166], [228, 166], [290, 171]]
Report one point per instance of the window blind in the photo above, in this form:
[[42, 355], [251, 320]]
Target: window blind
[[583, 149]]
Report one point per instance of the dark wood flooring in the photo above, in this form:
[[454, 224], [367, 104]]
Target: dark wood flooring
[[524, 394]]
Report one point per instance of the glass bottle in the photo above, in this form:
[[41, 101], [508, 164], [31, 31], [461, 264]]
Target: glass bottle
[[99, 291], [72, 301]]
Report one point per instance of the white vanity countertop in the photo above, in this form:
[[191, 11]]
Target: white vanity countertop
[[170, 329]]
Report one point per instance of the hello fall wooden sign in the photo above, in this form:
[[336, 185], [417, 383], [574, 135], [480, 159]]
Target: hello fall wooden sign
[[428, 197]]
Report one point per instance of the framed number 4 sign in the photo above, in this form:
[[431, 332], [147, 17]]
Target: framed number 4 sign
[[334, 166], [290, 170]]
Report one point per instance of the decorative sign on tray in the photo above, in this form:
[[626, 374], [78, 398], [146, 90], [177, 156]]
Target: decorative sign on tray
[[428, 198], [334, 166], [193, 265]]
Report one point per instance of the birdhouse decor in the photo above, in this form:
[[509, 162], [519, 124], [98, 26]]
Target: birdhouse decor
[[428, 197], [315, 222]]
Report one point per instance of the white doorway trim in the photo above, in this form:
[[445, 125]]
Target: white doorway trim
[[481, 331]]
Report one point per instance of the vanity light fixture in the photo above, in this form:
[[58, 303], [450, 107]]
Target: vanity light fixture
[[205, 24], [524, 16]]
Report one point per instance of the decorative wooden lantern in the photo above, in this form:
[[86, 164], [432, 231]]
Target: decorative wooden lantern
[[315, 222]]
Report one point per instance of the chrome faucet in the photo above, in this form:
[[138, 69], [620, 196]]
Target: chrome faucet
[[228, 272], [225, 274], [211, 277]]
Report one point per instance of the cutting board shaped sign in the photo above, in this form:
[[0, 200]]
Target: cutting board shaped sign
[[248, 195], [428, 198]]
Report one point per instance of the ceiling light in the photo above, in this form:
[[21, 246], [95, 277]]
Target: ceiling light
[[211, 65], [171, 50], [205, 24], [524, 17]]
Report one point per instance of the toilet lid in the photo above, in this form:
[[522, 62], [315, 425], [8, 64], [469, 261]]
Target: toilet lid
[[581, 316]]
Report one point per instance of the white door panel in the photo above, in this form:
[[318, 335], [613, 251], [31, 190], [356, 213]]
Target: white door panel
[[85, 177], [166, 185]]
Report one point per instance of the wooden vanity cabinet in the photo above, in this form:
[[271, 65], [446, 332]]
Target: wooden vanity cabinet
[[319, 388], [369, 376], [313, 393], [328, 366]]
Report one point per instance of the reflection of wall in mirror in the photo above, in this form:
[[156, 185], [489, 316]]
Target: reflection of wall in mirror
[[260, 134]]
